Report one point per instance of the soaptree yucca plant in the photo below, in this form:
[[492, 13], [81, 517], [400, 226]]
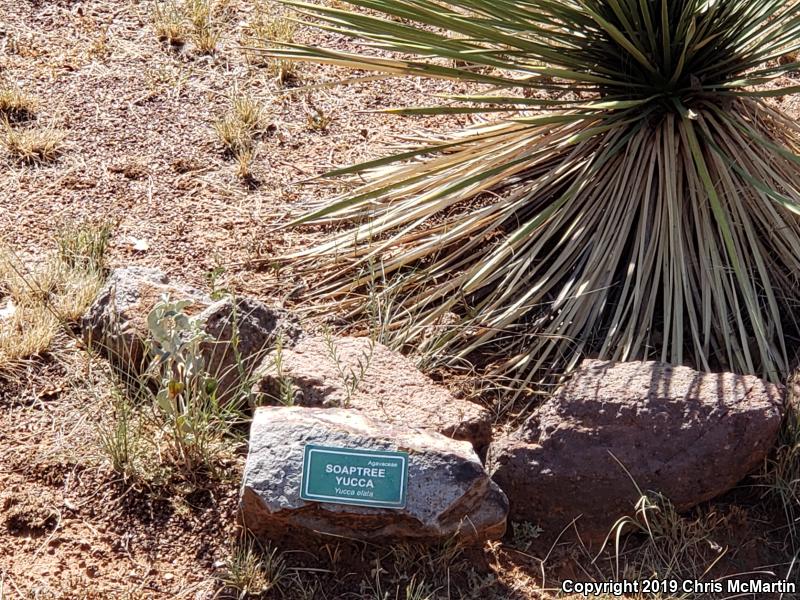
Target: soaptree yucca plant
[[635, 194]]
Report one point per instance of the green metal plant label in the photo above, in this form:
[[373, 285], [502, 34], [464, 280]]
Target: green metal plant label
[[354, 476]]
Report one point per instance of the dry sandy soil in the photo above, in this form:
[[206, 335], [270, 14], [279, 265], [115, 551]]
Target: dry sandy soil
[[140, 151]]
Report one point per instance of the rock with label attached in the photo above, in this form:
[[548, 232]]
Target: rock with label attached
[[447, 492], [687, 435], [367, 376]]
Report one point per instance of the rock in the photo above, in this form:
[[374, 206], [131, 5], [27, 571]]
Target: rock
[[253, 327], [449, 493], [372, 379], [116, 323], [690, 436]]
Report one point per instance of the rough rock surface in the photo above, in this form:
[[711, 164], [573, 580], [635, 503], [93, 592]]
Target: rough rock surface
[[449, 493], [378, 382], [687, 435], [254, 327], [116, 323]]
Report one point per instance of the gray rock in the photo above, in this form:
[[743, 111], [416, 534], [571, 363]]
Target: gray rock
[[116, 323], [369, 377], [688, 435], [449, 493], [243, 332]]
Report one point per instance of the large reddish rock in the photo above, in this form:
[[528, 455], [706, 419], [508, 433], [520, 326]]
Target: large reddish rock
[[688, 435], [368, 377]]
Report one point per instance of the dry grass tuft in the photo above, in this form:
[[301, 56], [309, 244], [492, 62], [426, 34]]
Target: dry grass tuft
[[27, 331], [249, 113], [169, 23], [266, 30], [781, 475], [192, 20], [230, 133], [253, 570], [27, 325], [238, 131], [198, 12], [205, 35], [31, 145], [206, 39], [16, 106], [84, 246], [244, 163], [76, 291], [669, 546], [36, 300]]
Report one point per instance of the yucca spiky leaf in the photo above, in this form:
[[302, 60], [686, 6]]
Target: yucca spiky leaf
[[637, 198]]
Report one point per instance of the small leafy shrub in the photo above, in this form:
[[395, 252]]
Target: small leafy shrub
[[213, 278], [286, 389], [351, 377], [187, 393], [523, 534], [171, 418]]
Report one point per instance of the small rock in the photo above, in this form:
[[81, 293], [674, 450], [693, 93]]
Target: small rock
[[139, 245], [368, 377], [449, 493], [116, 323], [688, 435], [9, 310], [243, 332]]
